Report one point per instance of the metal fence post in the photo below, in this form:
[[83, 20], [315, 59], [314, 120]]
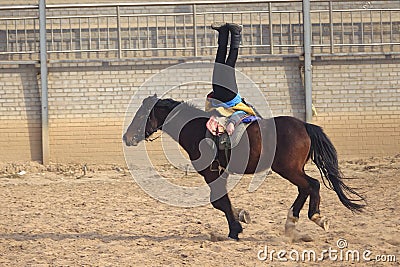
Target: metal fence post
[[43, 81], [119, 33], [194, 29], [307, 59], [331, 26], [271, 28]]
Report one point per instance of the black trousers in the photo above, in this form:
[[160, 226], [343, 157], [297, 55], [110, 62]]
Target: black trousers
[[224, 79]]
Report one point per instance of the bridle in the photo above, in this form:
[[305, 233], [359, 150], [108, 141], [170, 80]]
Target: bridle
[[153, 130]]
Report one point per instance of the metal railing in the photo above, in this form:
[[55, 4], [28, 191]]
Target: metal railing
[[169, 30]]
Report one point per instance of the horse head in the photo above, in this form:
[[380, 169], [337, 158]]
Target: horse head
[[144, 123]]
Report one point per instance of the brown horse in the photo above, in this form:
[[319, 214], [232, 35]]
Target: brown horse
[[293, 141]]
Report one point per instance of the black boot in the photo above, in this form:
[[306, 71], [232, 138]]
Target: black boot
[[219, 25], [234, 28], [236, 36], [223, 33]]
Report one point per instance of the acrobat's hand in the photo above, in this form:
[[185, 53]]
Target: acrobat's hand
[[230, 128]]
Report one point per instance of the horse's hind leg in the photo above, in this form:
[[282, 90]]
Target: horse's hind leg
[[307, 186], [294, 212], [296, 176], [313, 209]]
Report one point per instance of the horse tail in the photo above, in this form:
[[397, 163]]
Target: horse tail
[[324, 155]]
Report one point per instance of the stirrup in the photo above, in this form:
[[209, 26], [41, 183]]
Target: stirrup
[[215, 166], [218, 25]]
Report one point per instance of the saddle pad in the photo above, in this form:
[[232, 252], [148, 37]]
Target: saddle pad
[[216, 125], [250, 119]]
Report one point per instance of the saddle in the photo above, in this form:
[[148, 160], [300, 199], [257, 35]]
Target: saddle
[[216, 132], [218, 139], [217, 123]]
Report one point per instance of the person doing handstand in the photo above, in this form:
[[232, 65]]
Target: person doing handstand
[[225, 96]]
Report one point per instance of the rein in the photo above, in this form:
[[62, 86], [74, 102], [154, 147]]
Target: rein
[[152, 139]]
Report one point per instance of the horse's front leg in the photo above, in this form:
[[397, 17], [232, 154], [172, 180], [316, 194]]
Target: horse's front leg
[[224, 204], [220, 200]]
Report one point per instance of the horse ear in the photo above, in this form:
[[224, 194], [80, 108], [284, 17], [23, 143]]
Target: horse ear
[[155, 95]]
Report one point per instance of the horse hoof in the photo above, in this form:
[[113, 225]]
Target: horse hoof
[[244, 216], [234, 230], [233, 237], [290, 225], [322, 221], [289, 231], [326, 225]]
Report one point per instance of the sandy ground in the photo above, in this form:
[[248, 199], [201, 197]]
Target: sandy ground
[[56, 216]]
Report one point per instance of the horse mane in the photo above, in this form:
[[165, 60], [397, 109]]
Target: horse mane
[[188, 108]]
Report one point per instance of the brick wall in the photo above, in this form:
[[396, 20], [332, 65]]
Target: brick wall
[[358, 103], [20, 129], [87, 106], [357, 100]]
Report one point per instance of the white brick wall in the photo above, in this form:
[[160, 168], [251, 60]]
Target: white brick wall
[[358, 104]]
